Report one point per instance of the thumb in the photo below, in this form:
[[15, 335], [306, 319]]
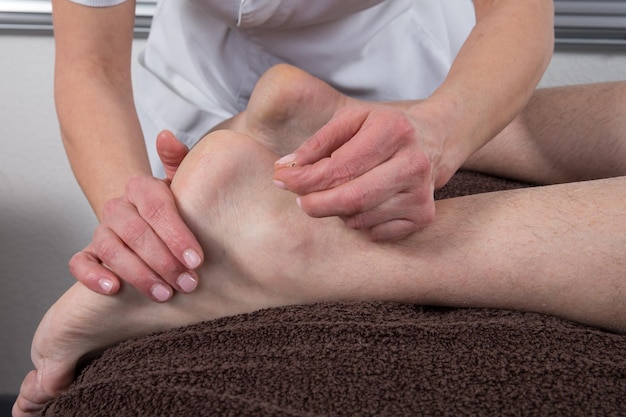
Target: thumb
[[171, 152]]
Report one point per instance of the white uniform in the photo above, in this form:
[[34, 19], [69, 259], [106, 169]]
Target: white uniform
[[203, 57]]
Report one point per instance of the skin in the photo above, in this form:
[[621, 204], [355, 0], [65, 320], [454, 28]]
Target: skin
[[552, 141], [555, 250], [92, 88], [377, 167], [430, 139]]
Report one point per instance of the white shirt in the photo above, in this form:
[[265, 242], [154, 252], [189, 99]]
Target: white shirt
[[203, 57]]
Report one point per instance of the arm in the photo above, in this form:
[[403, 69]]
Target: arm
[[376, 165], [104, 143], [493, 76], [92, 89]]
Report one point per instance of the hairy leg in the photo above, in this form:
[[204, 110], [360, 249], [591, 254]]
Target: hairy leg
[[556, 250], [564, 134]]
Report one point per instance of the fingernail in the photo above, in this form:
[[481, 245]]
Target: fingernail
[[186, 282], [106, 285], [192, 259], [287, 160], [279, 184], [299, 202], [161, 292]]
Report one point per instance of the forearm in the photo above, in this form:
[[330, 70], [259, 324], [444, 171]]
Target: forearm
[[557, 250], [94, 98], [493, 75], [102, 137]]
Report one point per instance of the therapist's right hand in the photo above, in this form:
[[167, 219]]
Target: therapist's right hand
[[142, 238]]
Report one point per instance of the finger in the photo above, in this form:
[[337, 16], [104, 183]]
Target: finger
[[125, 222], [171, 152], [419, 211], [393, 230], [158, 208], [87, 269], [112, 252], [372, 189], [379, 137], [340, 128]]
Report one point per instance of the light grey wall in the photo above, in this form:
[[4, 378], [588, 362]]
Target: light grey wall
[[44, 218], [585, 66]]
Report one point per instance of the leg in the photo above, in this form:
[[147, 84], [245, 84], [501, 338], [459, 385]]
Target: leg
[[242, 272], [564, 134], [556, 250], [540, 233]]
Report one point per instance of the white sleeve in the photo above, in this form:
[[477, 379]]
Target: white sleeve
[[98, 3]]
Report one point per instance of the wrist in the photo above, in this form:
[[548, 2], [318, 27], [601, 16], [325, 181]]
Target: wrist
[[445, 122]]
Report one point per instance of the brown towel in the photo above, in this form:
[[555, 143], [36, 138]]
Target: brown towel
[[466, 183], [364, 359], [361, 359]]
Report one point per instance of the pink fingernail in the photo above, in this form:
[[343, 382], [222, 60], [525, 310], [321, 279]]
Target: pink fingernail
[[299, 202], [186, 282], [192, 259], [287, 160], [106, 285], [280, 184], [161, 292]]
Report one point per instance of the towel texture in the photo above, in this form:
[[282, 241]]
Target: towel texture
[[365, 359], [361, 359]]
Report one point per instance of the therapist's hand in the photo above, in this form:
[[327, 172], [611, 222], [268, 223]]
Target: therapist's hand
[[373, 166], [142, 239]]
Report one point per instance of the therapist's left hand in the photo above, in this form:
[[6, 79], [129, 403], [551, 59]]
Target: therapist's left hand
[[376, 167]]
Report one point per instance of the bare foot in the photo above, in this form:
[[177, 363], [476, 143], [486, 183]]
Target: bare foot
[[262, 252], [287, 106]]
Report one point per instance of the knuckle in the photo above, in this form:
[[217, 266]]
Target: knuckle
[[354, 199], [153, 211], [106, 250], [406, 129], [314, 143], [148, 196], [395, 121], [343, 173], [75, 263], [167, 264], [134, 232], [357, 222], [416, 169]]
